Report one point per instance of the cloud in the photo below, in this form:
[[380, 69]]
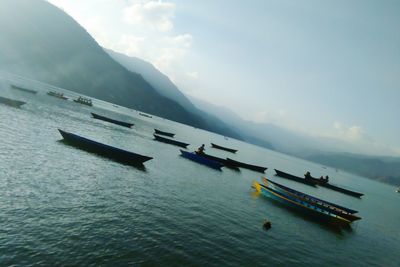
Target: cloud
[[352, 133], [157, 15]]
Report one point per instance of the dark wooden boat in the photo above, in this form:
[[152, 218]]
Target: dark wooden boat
[[224, 148], [120, 123], [202, 160], [322, 204], [326, 184], [224, 162], [145, 115], [111, 152], [295, 178], [84, 101], [303, 206], [245, 165], [58, 95], [11, 102], [23, 89], [170, 141], [156, 131]]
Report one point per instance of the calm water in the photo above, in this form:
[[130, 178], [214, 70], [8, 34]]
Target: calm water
[[63, 206]]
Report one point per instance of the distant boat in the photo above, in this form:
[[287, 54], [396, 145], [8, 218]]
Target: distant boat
[[121, 123], [224, 148], [303, 206], [246, 165], [328, 206], [324, 183], [164, 133], [84, 101], [58, 95], [11, 102], [202, 160], [295, 178], [169, 141], [111, 152], [145, 115], [23, 89]]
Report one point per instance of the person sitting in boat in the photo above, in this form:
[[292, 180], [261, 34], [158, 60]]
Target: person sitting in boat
[[201, 149], [307, 175], [326, 179]]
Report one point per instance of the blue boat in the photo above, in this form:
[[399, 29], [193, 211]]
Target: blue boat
[[202, 160], [111, 152], [300, 205]]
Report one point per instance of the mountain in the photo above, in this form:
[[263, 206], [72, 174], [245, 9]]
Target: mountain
[[163, 85], [41, 42], [385, 169]]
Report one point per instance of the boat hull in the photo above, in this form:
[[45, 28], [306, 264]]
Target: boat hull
[[23, 89], [169, 141], [111, 152], [337, 188], [322, 204], [295, 178], [303, 207], [158, 132], [246, 166], [201, 160], [224, 148], [120, 123], [11, 102]]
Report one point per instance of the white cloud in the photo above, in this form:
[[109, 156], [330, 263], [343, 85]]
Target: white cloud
[[157, 15], [352, 133]]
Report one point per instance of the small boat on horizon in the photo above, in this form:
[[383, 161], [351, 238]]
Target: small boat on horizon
[[11, 102], [58, 95], [201, 160], [120, 123], [159, 132], [223, 148], [145, 115], [84, 101], [246, 165], [170, 141], [104, 150], [295, 178], [26, 90]]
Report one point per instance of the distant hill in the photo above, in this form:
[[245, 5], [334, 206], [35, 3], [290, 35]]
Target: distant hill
[[163, 85], [42, 42], [385, 169]]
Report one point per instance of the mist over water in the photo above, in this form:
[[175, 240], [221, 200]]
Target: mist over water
[[63, 206]]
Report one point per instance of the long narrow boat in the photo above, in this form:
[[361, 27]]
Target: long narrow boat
[[224, 162], [245, 165], [330, 207], [23, 89], [323, 183], [156, 131], [145, 115], [295, 178], [117, 154], [202, 160], [300, 205], [170, 141], [224, 148], [120, 123], [58, 95], [11, 102]]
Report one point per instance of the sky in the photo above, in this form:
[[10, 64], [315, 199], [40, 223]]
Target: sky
[[324, 68]]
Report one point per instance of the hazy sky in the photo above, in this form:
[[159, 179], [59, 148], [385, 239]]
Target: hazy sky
[[327, 68]]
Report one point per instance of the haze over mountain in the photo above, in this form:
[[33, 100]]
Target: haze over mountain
[[42, 42]]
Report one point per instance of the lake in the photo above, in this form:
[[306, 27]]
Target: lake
[[63, 206]]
